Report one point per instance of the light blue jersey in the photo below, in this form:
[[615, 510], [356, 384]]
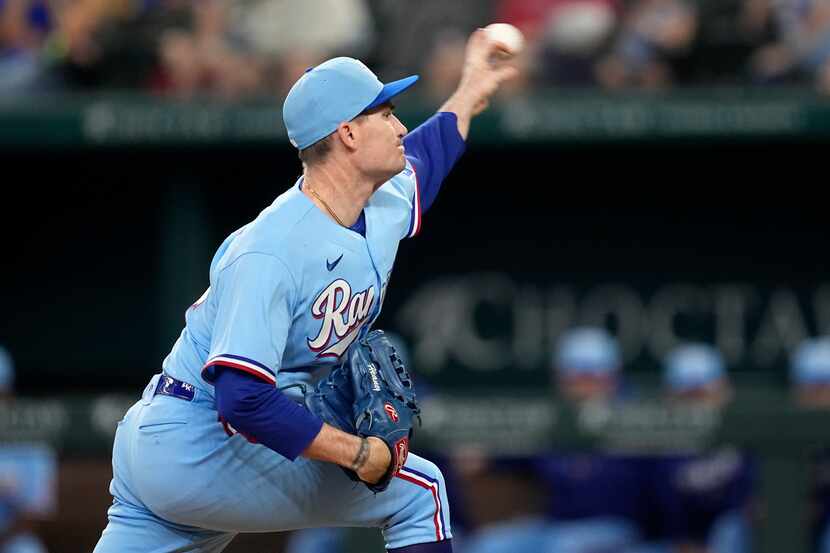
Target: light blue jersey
[[292, 290], [289, 293]]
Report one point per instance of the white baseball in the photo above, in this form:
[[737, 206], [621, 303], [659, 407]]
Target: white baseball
[[508, 35]]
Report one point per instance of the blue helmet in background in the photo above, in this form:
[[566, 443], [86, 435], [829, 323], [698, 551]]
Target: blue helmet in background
[[587, 351], [810, 363], [692, 366]]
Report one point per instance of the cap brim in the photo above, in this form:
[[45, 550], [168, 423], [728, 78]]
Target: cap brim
[[391, 90]]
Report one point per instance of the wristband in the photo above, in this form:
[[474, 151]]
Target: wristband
[[362, 455]]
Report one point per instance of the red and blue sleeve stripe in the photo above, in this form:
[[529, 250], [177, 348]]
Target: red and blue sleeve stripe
[[415, 220], [433, 150], [238, 362]]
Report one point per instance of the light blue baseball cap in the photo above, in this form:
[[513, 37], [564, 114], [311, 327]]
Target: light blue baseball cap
[[810, 363], [587, 351], [335, 91], [691, 366], [6, 371]]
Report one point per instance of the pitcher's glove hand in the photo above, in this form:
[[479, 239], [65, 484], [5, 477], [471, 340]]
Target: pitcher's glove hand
[[371, 394]]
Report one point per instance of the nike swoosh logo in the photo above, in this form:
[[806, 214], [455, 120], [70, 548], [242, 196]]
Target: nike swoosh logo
[[331, 265]]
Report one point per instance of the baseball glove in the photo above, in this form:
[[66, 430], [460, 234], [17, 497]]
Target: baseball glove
[[370, 395]]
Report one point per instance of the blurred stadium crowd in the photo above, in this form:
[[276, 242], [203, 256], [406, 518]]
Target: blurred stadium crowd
[[233, 50]]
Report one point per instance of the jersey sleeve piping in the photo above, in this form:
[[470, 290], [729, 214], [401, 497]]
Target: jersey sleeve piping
[[415, 221], [240, 363]]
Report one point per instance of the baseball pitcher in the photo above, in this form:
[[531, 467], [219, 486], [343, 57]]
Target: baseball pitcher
[[277, 408]]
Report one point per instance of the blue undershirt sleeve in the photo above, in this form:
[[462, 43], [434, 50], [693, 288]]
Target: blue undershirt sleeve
[[433, 149], [260, 411]]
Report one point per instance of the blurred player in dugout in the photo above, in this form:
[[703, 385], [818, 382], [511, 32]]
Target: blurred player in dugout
[[695, 502], [588, 501], [810, 380], [703, 498], [28, 473]]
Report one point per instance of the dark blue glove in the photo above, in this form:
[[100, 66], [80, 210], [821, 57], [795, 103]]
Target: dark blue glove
[[371, 394]]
